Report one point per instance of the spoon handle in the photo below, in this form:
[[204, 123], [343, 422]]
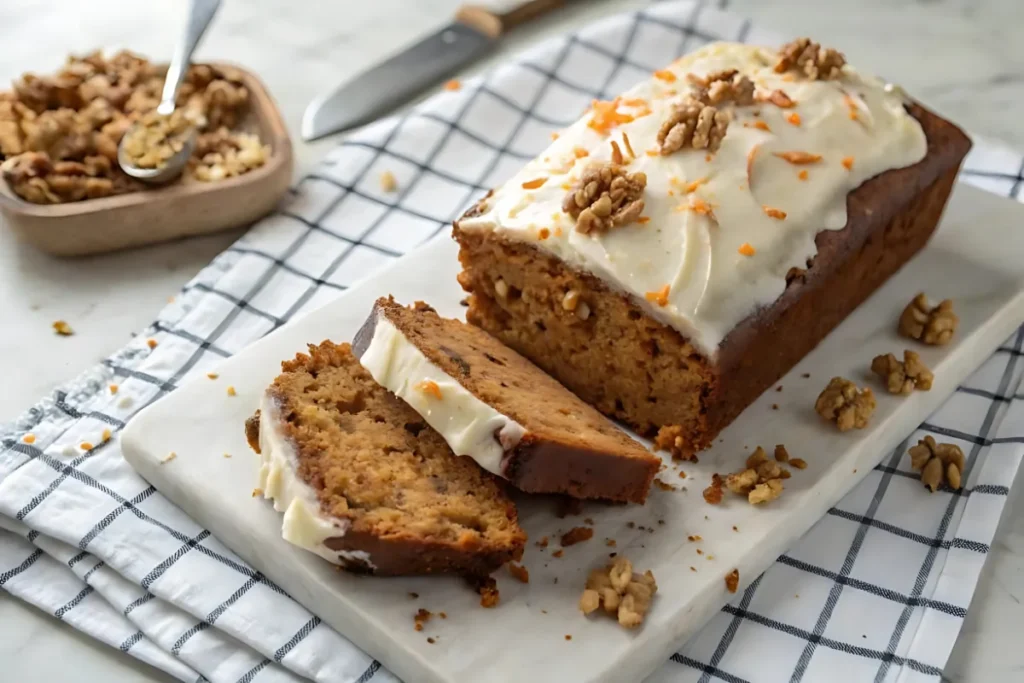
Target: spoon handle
[[199, 16]]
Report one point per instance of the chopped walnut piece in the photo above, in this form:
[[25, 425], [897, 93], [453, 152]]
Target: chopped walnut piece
[[693, 124], [777, 97], [670, 438], [766, 492], [760, 480], [732, 579], [388, 182], [841, 402], [620, 591], [156, 138], [937, 462], [781, 454], [62, 328], [421, 617], [903, 377], [225, 154], [726, 85], [811, 59], [935, 326], [605, 197], [576, 535]]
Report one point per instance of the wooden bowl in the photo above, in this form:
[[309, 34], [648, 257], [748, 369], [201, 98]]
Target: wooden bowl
[[185, 207]]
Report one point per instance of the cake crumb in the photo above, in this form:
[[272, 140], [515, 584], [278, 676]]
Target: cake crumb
[[431, 641], [775, 406], [670, 438], [735, 528], [903, 377], [800, 464], [622, 592], [29, 438], [732, 580], [172, 455], [938, 462], [842, 403], [443, 615], [713, 493], [453, 85], [682, 474], [568, 637], [62, 328], [212, 375], [588, 520], [388, 182], [105, 436], [414, 596], [151, 343], [931, 325], [610, 542], [231, 391], [806, 375], [422, 616], [487, 587], [542, 543], [113, 388], [519, 572], [557, 553], [664, 486], [227, 455], [693, 569], [256, 493], [694, 538]]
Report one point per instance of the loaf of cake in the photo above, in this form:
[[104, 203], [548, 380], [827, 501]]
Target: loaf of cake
[[501, 410], [366, 484], [675, 251]]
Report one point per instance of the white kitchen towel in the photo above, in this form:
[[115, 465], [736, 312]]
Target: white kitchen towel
[[877, 590]]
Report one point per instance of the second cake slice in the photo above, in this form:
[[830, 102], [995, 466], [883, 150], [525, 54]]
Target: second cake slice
[[493, 405]]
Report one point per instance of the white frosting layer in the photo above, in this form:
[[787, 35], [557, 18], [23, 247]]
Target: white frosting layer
[[712, 285], [470, 426], [305, 523]]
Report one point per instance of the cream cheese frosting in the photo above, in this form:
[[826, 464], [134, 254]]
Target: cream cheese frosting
[[470, 426], [720, 265], [305, 524]]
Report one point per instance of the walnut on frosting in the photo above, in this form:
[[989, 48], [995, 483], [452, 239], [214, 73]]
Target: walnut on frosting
[[811, 59], [693, 124], [724, 86], [606, 197]]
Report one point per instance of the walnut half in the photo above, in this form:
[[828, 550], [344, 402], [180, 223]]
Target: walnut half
[[938, 461], [760, 481], [693, 124], [934, 326], [841, 402], [605, 197], [903, 377], [811, 59]]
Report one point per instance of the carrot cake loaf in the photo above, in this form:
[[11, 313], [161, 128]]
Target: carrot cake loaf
[[366, 484], [498, 408], [678, 249]]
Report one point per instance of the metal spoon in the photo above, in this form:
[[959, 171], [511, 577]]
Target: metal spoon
[[199, 16]]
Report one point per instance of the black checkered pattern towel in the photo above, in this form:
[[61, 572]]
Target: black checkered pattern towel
[[883, 580]]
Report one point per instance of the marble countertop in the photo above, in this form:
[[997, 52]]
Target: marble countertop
[[961, 57]]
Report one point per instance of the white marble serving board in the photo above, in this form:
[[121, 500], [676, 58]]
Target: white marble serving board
[[976, 259]]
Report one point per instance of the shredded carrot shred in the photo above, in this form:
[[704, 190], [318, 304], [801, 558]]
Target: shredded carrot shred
[[794, 118], [665, 75], [643, 220], [29, 438], [606, 116], [580, 152], [453, 85], [747, 250], [534, 184], [691, 187], [777, 214], [554, 136], [802, 175], [544, 233], [848, 163], [797, 157], [659, 297], [430, 387], [629, 147], [761, 125], [700, 206]]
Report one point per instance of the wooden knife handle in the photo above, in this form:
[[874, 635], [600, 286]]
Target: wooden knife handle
[[504, 16]]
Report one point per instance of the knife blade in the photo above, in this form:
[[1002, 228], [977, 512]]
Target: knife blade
[[474, 33]]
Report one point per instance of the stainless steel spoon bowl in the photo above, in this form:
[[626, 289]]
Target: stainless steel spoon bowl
[[199, 16]]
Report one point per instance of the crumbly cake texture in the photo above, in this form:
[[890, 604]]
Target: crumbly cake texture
[[636, 352], [402, 502], [560, 445]]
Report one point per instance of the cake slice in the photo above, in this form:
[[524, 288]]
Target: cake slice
[[493, 405], [366, 484]]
